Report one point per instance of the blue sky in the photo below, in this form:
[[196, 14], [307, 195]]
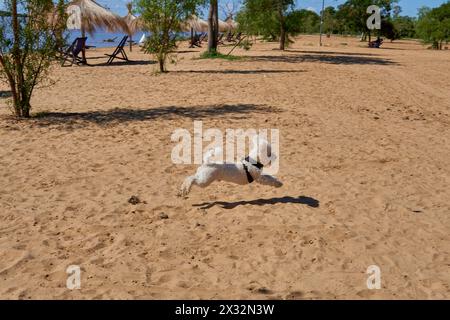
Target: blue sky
[[409, 6]]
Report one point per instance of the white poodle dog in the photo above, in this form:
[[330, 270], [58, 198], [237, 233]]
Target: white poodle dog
[[249, 170]]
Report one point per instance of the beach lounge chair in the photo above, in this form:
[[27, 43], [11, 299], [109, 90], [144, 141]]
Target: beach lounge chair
[[230, 37], [72, 53], [203, 37], [220, 39], [196, 41], [119, 50]]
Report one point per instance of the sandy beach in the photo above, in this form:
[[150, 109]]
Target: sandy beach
[[364, 158]]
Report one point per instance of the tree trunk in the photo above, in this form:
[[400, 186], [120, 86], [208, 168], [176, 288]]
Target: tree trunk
[[364, 36], [162, 62], [282, 27], [282, 39], [21, 104], [61, 25], [25, 107], [213, 31], [83, 52]]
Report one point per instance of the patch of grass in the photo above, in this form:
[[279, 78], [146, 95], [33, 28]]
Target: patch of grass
[[218, 55]]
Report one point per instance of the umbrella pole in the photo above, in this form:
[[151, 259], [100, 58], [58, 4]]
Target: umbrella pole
[[83, 52], [131, 43]]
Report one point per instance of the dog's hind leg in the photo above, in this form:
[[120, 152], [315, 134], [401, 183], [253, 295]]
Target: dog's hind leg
[[200, 180], [269, 181]]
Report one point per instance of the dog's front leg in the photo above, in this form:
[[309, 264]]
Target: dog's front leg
[[186, 186], [269, 181]]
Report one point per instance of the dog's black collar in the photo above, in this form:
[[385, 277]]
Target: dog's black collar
[[258, 165]]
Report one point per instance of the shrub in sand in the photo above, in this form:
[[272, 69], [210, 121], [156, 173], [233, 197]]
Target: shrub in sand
[[27, 48]]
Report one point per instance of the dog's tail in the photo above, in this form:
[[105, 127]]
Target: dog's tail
[[213, 156]]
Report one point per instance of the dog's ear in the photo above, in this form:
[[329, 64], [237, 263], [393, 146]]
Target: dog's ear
[[255, 142], [254, 150], [265, 154]]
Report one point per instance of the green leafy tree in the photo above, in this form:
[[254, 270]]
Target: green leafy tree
[[396, 11], [302, 21], [405, 26], [353, 13], [433, 25], [261, 23], [330, 22], [27, 49], [269, 17], [389, 30], [163, 19]]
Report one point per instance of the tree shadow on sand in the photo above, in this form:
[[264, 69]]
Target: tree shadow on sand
[[310, 202], [116, 116], [119, 63], [344, 59], [5, 94], [331, 53], [257, 71]]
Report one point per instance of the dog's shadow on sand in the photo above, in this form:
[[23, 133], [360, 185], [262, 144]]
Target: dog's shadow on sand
[[308, 201]]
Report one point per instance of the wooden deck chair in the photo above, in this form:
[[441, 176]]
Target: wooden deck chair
[[195, 41], [119, 50], [230, 37], [204, 37], [220, 39], [72, 53]]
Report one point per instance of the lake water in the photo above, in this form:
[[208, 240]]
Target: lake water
[[98, 38]]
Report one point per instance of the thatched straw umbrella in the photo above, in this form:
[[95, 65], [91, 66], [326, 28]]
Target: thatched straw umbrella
[[223, 26], [133, 23], [196, 24], [233, 25], [88, 15]]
